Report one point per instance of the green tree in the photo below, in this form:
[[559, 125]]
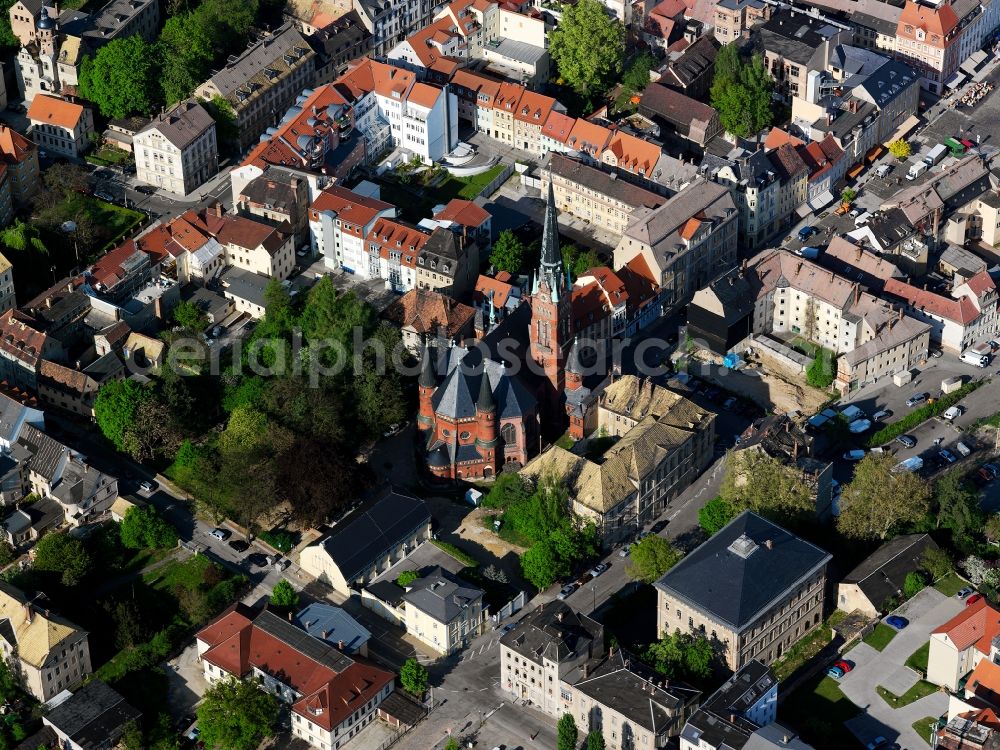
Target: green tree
[[636, 78], [913, 584], [681, 656], [61, 553], [741, 92], [937, 562], [847, 195], [236, 715], [407, 577], [7, 554], [451, 744], [122, 78], [509, 488], [756, 481], [566, 733], [7, 39], [413, 676], [143, 528], [879, 500], [115, 409], [188, 316], [588, 47], [284, 595], [507, 253], [131, 737], [226, 130], [991, 529], [20, 236], [651, 557], [595, 740], [957, 504], [819, 373], [579, 261], [715, 514], [186, 49], [900, 149], [540, 565]]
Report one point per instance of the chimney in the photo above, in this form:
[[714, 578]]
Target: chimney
[[48, 302], [341, 644], [785, 739], [325, 634], [732, 718], [289, 616], [559, 617], [28, 612], [583, 671], [769, 544], [218, 210]]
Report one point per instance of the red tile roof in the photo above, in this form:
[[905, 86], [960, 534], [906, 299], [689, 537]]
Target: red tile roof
[[558, 127], [464, 212], [19, 339], [981, 283], [777, 137], [962, 310], [54, 111], [14, 146], [937, 22], [250, 234], [485, 284], [352, 208], [425, 311], [984, 682], [634, 154], [639, 282], [976, 625]]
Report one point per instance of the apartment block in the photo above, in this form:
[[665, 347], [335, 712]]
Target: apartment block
[[177, 151], [768, 591], [60, 126], [21, 157], [263, 81]]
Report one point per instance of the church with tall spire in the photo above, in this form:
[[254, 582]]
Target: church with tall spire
[[551, 311]]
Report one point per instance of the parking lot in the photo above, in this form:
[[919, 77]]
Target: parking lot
[[926, 611]]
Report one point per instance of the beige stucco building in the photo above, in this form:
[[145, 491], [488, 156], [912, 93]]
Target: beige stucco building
[[382, 532], [594, 195], [767, 591], [177, 151], [443, 612], [60, 126], [957, 646], [52, 653], [665, 442]]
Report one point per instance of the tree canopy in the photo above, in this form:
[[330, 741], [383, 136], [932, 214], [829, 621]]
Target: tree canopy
[[115, 409], [284, 595], [414, 677], [588, 47], [900, 149], [595, 740], [756, 481], [236, 715], [566, 733], [878, 500], [741, 93], [143, 528], [507, 253], [957, 504], [122, 79], [65, 555], [683, 656], [715, 514], [651, 557]]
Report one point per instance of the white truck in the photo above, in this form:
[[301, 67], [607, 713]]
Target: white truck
[[972, 357], [916, 170], [916, 463], [935, 155]]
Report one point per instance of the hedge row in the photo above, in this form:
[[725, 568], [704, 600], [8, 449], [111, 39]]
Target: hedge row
[[460, 555], [917, 416]]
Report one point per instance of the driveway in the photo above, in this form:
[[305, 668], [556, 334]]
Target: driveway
[[925, 612]]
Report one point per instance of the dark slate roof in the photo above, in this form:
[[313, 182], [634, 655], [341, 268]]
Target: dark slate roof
[[46, 453], [638, 693], [92, 716], [694, 62], [333, 625], [795, 36], [372, 530], [301, 641], [735, 294], [386, 591], [555, 632], [720, 722], [605, 183], [274, 188], [457, 395], [735, 576], [674, 107], [890, 81], [441, 596], [881, 574]]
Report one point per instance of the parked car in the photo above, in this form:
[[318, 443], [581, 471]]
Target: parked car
[[659, 526], [897, 622], [507, 628], [598, 569], [973, 599], [729, 403], [989, 472], [623, 552], [964, 592], [936, 353], [854, 455], [917, 398], [882, 414], [146, 486], [584, 579], [878, 742], [947, 455], [952, 412], [565, 591], [835, 672], [221, 534], [843, 664], [806, 232], [106, 197], [239, 546], [994, 345], [859, 425], [907, 441], [257, 559]]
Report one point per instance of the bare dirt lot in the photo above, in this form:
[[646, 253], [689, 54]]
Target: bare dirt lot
[[766, 388], [474, 530]]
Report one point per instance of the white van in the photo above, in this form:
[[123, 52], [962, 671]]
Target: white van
[[916, 170], [952, 412], [883, 170], [862, 219], [975, 358]]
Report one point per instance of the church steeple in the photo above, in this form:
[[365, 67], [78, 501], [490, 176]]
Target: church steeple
[[550, 271]]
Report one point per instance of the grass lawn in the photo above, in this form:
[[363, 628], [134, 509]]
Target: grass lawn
[[923, 728], [950, 584], [879, 638], [921, 689], [836, 618], [187, 573], [803, 651], [821, 699], [416, 202], [918, 659]]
